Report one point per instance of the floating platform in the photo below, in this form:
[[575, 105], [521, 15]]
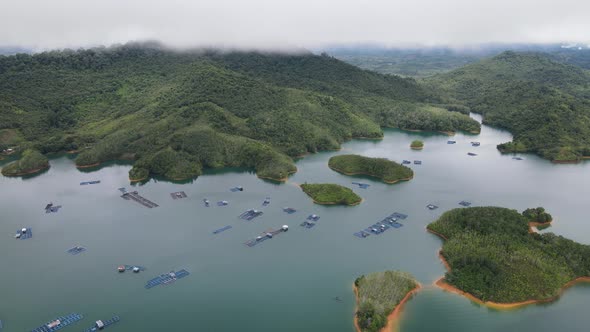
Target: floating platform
[[134, 195], [235, 189], [432, 206], [465, 203], [123, 190], [388, 222], [27, 234], [313, 217], [307, 224], [406, 162], [50, 208], [131, 267], [222, 229], [289, 210], [76, 250], [451, 142], [398, 215], [471, 154], [361, 185], [102, 324], [58, 323], [266, 236], [222, 203], [206, 202], [475, 144], [166, 279], [178, 195], [89, 182], [266, 201], [517, 158], [417, 162], [250, 214]]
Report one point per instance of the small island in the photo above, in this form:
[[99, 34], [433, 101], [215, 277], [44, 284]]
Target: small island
[[380, 297], [30, 162], [384, 169], [493, 259], [331, 194], [417, 145]]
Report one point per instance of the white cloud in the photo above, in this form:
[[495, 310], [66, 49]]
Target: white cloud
[[292, 23]]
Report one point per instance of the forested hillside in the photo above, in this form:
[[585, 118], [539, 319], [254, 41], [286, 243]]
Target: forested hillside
[[543, 103], [177, 112]]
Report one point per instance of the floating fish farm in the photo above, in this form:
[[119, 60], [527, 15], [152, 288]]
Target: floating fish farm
[[406, 162], [266, 236], [313, 217], [475, 144], [361, 185], [517, 158], [178, 195], [235, 189], [451, 142], [471, 154], [432, 206], [417, 162], [50, 208], [307, 224], [100, 324], [206, 202], [222, 203], [58, 323], [250, 214], [135, 196], [76, 250], [222, 229], [380, 227], [289, 210], [23, 234], [166, 279], [266, 201], [465, 203], [123, 190], [132, 267]]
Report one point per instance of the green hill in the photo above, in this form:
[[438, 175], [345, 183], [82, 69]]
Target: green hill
[[543, 103], [175, 113], [386, 170]]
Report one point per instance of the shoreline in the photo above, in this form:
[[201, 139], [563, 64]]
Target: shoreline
[[394, 316], [440, 283], [33, 171], [88, 166], [416, 147], [371, 175]]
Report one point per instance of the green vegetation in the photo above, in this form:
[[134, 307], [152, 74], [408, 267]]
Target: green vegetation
[[31, 161], [328, 193], [417, 145], [493, 256], [537, 215], [377, 296], [381, 168], [175, 113], [543, 103]]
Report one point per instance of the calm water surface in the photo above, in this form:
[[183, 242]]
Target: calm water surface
[[284, 284]]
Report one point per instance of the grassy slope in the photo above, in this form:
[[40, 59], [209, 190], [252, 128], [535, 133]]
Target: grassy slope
[[328, 193], [156, 105], [545, 104], [384, 169], [494, 257], [378, 295]]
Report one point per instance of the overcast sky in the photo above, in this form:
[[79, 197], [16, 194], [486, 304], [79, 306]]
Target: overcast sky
[[44, 24]]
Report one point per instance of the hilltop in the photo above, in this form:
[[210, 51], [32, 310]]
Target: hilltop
[[543, 103], [174, 113]]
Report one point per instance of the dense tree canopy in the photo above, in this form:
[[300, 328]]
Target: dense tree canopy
[[381, 168]]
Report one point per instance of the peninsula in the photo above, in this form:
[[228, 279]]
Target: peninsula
[[380, 297], [493, 259], [30, 162], [384, 169], [331, 194]]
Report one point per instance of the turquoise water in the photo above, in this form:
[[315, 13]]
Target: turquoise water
[[284, 284]]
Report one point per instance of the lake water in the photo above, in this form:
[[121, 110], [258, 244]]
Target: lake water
[[284, 284]]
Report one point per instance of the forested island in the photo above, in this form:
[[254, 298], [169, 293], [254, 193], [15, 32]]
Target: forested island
[[380, 297], [542, 102], [493, 259], [384, 169], [30, 162], [331, 194], [175, 113], [417, 145]]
